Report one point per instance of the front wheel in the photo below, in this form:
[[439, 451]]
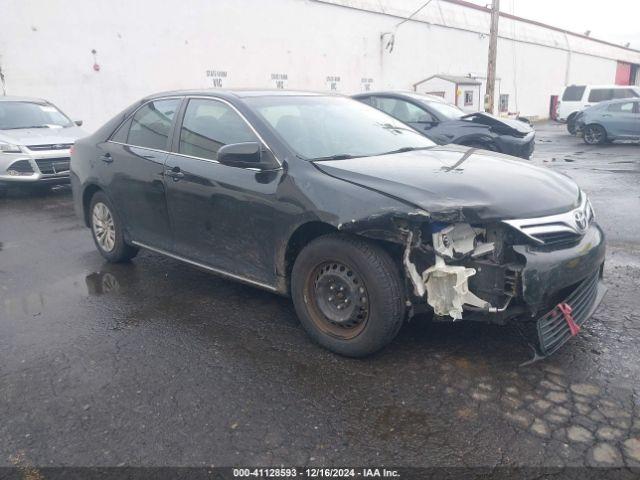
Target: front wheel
[[595, 135], [107, 231], [348, 294]]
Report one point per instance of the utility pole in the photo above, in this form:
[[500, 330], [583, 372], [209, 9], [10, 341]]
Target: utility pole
[[489, 100]]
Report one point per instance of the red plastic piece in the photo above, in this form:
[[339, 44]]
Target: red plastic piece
[[567, 311]]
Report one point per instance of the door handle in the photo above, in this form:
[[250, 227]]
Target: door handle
[[174, 173], [106, 158]]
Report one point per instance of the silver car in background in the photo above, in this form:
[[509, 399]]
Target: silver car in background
[[35, 138], [609, 121]]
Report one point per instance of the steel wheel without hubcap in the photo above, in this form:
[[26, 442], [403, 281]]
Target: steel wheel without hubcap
[[103, 226], [348, 294], [339, 300], [594, 135]]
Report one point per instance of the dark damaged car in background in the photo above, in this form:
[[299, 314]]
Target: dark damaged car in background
[[445, 123], [360, 219]]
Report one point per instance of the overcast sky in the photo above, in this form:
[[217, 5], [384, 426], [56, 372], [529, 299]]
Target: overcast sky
[[616, 21]]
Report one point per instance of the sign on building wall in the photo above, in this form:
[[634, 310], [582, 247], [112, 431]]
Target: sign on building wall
[[279, 80], [333, 82], [366, 84], [218, 78]]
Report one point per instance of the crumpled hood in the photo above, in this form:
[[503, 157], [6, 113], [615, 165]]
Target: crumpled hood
[[41, 136], [484, 118], [458, 183]]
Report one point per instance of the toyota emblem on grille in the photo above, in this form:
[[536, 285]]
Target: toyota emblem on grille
[[581, 220]]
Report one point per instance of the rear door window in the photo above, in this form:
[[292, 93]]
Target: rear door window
[[600, 94], [151, 124], [209, 125], [368, 100], [122, 132], [573, 93]]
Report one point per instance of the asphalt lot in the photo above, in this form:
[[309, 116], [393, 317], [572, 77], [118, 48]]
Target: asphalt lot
[[157, 363]]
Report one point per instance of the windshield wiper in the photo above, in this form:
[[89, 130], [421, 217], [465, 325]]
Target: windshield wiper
[[30, 126], [402, 150], [346, 156], [339, 156]]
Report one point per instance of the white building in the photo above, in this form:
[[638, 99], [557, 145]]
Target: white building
[[93, 58], [465, 92]]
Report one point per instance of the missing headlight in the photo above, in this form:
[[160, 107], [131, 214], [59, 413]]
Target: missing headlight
[[445, 283]]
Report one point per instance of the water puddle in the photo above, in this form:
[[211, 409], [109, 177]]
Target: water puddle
[[65, 291]]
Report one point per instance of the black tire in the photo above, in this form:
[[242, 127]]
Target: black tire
[[594, 135], [571, 124], [120, 251], [373, 299]]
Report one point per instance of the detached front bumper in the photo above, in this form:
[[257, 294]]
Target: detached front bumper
[[556, 327], [51, 167], [518, 147], [565, 285], [548, 272]]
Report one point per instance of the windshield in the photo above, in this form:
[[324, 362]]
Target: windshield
[[316, 127], [14, 115], [446, 110]]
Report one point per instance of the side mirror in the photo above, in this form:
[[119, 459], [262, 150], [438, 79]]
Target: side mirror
[[78, 122], [429, 124], [246, 155]]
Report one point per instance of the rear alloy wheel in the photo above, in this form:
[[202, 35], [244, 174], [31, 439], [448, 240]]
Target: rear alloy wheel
[[107, 231], [595, 135], [348, 294]]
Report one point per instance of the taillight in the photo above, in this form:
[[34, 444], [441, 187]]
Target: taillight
[[71, 150]]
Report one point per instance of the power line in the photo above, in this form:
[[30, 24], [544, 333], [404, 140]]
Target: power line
[[414, 13]]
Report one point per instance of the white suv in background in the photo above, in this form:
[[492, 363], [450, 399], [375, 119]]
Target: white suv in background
[[578, 97]]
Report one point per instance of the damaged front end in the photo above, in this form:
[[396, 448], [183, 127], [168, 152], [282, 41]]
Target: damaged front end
[[540, 269], [459, 267]]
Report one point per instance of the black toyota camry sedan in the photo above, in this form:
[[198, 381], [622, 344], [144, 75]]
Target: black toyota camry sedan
[[445, 123], [359, 218]]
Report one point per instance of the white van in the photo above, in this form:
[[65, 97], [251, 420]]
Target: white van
[[578, 97]]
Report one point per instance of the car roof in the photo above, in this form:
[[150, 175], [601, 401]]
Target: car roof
[[7, 98], [404, 93], [636, 87], [241, 93]]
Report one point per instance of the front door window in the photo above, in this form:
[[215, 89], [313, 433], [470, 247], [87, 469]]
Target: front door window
[[209, 125]]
